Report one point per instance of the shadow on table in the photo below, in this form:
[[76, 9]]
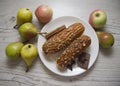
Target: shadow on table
[[13, 63], [70, 78], [107, 51]]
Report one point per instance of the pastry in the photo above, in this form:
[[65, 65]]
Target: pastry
[[62, 39], [67, 58]]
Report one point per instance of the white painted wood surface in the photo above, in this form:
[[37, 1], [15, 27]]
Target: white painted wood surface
[[106, 70]]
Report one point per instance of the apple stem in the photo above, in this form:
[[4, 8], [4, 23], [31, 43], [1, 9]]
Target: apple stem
[[97, 15], [27, 69]]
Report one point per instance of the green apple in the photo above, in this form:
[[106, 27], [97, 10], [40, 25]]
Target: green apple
[[13, 50], [106, 40], [24, 15], [27, 31], [29, 53], [97, 19]]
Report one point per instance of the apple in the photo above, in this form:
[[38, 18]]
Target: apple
[[97, 19], [44, 13], [23, 15], [106, 39], [13, 50], [29, 53]]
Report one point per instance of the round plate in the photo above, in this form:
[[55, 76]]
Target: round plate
[[49, 60]]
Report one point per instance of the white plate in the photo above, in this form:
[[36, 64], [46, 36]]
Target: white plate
[[49, 60]]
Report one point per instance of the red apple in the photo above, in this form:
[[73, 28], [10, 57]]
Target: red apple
[[106, 39], [44, 13], [97, 19]]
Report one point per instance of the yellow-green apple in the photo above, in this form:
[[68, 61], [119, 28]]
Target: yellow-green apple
[[27, 31], [97, 19], [29, 53], [106, 39], [44, 13], [23, 15], [13, 50]]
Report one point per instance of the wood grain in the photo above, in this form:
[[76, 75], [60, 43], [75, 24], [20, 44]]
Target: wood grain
[[106, 70]]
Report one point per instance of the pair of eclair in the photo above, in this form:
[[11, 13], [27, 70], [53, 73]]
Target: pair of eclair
[[71, 41]]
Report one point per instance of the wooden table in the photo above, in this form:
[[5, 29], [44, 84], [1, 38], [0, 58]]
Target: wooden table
[[106, 70]]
